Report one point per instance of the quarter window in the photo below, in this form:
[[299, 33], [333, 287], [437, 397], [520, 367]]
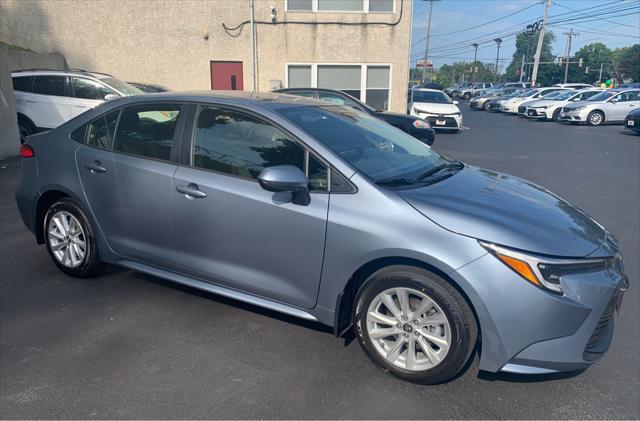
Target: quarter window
[[101, 131], [89, 89], [50, 85], [22, 84], [239, 144], [147, 130]]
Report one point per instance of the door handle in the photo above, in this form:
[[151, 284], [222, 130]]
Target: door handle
[[191, 191], [95, 167]]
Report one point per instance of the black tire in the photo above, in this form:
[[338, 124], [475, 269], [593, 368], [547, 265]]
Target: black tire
[[91, 265], [466, 96], [487, 106], [595, 118], [25, 127], [463, 327], [556, 114]]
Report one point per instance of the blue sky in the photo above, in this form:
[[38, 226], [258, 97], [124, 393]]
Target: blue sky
[[452, 18]]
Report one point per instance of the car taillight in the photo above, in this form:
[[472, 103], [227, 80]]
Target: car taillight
[[27, 151]]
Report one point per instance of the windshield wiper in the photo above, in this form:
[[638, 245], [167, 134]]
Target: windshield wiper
[[448, 166], [400, 181]]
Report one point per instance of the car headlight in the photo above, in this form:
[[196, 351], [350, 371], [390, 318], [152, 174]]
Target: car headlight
[[542, 107], [579, 107], [421, 124], [544, 272]]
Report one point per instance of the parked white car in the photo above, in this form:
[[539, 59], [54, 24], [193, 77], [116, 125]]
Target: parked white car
[[550, 108], [47, 98], [471, 91], [436, 107], [522, 108], [574, 85], [511, 105], [612, 105]]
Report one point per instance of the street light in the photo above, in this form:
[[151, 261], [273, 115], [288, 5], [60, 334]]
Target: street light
[[498, 41], [475, 59]]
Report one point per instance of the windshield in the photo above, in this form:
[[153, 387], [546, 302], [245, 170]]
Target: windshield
[[553, 94], [376, 149], [431, 96], [122, 87], [602, 96], [565, 95], [527, 93]]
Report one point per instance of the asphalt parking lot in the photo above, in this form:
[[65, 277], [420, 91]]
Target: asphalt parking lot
[[127, 345]]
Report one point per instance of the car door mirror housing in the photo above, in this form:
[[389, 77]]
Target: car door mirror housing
[[109, 97], [283, 178]]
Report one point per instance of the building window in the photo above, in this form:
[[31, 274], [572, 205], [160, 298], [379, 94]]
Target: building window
[[369, 83], [363, 6], [378, 87], [344, 78], [341, 5], [299, 76]]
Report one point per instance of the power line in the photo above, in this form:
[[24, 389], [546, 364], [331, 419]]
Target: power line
[[606, 20]]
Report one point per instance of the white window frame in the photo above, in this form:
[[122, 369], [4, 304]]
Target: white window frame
[[363, 75], [314, 8]]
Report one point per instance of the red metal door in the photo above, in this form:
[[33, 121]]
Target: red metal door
[[226, 75]]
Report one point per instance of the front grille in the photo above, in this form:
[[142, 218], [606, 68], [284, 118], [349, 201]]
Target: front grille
[[521, 109], [591, 351], [449, 122]]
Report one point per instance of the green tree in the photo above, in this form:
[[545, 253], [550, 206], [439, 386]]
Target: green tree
[[592, 55], [626, 63], [526, 44]]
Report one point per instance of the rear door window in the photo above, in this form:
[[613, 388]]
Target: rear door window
[[101, 131], [50, 85], [147, 130]]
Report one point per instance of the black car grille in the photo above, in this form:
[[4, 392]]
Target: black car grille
[[521, 109], [591, 351]]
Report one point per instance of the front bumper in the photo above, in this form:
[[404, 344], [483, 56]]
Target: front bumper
[[442, 121], [536, 113], [574, 116], [528, 330]]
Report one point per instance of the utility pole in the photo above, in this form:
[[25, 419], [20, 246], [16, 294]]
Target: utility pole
[[498, 41], [536, 61], [475, 59], [426, 46], [600, 77], [522, 68], [569, 35], [253, 46]]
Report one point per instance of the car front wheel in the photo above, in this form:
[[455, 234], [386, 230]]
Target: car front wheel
[[595, 118], [414, 325], [70, 240]]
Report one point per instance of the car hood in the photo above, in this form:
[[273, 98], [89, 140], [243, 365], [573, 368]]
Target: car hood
[[543, 102], [507, 210], [582, 103], [431, 107]]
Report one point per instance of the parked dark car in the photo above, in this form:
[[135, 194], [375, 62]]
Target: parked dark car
[[632, 122], [415, 126], [433, 85], [149, 88]]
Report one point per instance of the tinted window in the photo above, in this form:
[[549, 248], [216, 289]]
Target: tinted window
[[317, 174], [22, 83], [147, 130], [89, 89], [239, 144], [50, 85], [626, 97], [336, 99], [431, 96], [101, 131]]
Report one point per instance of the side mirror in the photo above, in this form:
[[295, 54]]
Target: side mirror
[[286, 178], [456, 102], [109, 97]]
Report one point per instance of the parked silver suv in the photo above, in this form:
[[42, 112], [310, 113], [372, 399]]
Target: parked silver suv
[[326, 213]]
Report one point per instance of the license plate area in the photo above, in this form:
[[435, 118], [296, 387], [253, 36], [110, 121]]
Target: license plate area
[[441, 122], [631, 123]]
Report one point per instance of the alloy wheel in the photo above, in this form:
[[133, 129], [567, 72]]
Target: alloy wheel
[[67, 239], [408, 329], [595, 119]]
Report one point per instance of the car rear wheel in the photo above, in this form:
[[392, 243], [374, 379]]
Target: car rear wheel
[[70, 240], [414, 325], [595, 118], [466, 95]]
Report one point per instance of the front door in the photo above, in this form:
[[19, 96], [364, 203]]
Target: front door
[[226, 76], [127, 180], [231, 231], [620, 106]]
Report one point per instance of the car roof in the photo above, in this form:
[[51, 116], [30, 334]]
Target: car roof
[[53, 72], [426, 90], [267, 100]]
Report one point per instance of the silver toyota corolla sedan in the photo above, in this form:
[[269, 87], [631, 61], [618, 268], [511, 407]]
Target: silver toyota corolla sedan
[[328, 214]]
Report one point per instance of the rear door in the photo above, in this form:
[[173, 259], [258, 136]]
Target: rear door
[[48, 105], [127, 179], [233, 232]]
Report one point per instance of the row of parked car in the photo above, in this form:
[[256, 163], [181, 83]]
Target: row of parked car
[[573, 103]]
